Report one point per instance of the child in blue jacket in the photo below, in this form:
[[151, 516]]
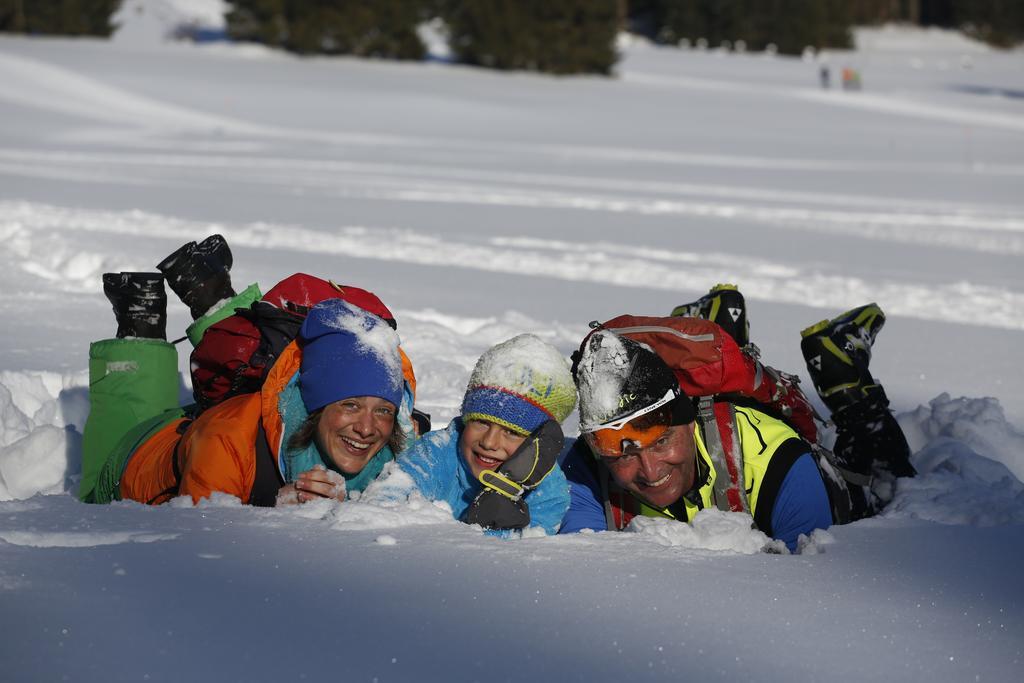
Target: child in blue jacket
[[517, 394]]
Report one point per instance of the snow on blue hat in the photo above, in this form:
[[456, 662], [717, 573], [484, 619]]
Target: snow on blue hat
[[347, 352]]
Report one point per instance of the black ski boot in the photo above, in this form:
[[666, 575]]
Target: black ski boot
[[838, 352], [199, 274], [140, 304], [870, 445], [724, 306]]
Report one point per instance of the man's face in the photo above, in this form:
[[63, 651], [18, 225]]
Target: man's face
[[660, 473]]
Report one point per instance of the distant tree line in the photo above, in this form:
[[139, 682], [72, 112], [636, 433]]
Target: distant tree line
[[997, 22], [787, 25], [365, 28], [792, 25], [62, 17], [553, 36]]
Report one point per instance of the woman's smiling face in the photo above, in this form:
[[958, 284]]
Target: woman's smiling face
[[353, 430]]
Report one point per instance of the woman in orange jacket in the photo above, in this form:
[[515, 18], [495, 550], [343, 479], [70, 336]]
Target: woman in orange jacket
[[323, 424]]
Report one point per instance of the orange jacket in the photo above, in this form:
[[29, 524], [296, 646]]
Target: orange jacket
[[217, 452]]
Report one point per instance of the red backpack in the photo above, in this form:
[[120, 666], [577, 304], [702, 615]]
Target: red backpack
[[236, 353], [714, 370]]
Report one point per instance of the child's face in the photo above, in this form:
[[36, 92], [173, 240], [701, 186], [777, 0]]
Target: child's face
[[485, 445]]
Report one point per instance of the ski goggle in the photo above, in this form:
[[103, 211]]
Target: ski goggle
[[633, 432]]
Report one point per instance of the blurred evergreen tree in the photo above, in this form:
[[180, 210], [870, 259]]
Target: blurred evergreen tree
[[998, 22], [553, 36], [791, 25], [60, 17], [869, 12], [366, 28], [257, 21]]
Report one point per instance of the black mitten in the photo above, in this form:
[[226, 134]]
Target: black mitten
[[500, 505]]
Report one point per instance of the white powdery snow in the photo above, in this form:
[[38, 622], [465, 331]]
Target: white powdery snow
[[480, 206], [711, 530]]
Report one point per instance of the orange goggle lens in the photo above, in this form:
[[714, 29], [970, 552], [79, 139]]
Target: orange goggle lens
[[635, 434]]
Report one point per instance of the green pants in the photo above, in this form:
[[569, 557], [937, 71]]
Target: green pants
[[131, 381], [133, 391]]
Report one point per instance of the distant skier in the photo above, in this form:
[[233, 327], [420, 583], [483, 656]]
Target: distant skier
[[851, 79], [650, 449]]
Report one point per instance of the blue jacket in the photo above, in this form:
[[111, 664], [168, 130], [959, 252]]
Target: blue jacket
[[800, 507], [439, 472]]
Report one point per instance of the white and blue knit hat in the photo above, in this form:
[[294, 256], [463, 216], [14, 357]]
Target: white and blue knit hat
[[520, 384]]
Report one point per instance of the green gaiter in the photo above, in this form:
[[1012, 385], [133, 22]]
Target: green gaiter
[[130, 381]]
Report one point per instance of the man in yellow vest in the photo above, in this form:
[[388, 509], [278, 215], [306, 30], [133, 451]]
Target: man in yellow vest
[[643, 452]]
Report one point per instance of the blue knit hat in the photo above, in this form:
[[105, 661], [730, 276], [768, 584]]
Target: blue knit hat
[[520, 384], [347, 352]]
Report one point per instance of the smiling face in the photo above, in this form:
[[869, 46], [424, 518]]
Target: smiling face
[[353, 430], [485, 445], [660, 473]]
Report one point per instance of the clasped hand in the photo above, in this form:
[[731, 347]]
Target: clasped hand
[[315, 484]]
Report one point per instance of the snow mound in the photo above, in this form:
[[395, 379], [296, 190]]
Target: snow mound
[[711, 530], [905, 38], [41, 419], [956, 485], [42, 462], [969, 460], [144, 23], [815, 543], [48, 255], [216, 500], [978, 423], [37, 539], [30, 399], [416, 511]]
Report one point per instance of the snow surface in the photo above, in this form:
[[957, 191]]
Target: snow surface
[[480, 206]]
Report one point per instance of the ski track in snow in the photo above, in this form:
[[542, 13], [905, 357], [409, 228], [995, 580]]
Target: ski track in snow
[[41, 85], [934, 223], [25, 230], [66, 539]]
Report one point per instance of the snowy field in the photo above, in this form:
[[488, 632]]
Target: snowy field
[[480, 205]]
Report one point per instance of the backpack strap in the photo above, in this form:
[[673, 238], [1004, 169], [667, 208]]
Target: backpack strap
[[172, 490], [724, 450], [268, 480], [787, 453], [619, 506], [277, 328], [837, 481], [609, 513]]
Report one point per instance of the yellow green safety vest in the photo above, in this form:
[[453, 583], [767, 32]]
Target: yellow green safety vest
[[769, 447]]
